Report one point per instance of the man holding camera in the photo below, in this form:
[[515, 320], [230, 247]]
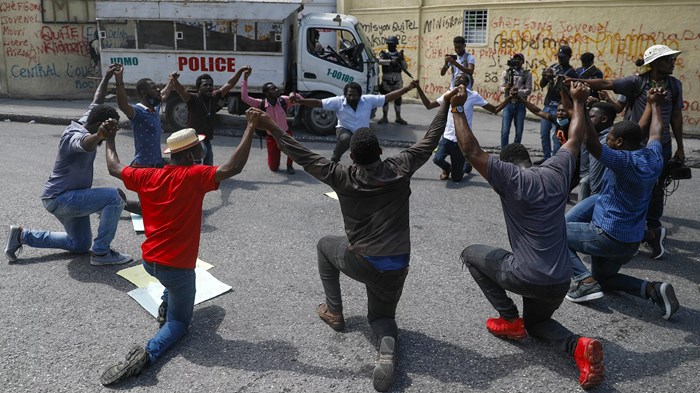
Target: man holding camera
[[552, 78], [392, 63], [460, 62], [515, 82]]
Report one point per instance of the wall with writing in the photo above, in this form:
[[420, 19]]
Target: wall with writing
[[616, 33], [44, 60]]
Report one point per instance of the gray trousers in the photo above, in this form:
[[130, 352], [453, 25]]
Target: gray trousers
[[384, 288], [342, 144], [492, 269]]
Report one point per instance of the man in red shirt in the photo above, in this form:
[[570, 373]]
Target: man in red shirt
[[172, 215]]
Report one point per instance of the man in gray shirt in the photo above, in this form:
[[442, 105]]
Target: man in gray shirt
[[534, 201], [69, 196], [375, 250]]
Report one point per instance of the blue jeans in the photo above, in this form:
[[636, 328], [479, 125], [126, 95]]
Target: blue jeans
[[514, 111], [459, 165], [607, 256], [207, 153], [73, 209], [179, 295], [548, 133]]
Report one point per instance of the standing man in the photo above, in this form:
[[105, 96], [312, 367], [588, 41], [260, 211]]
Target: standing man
[[69, 196], [515, 82], [203, 105], [144, 118], [538, 266], [659, 62], [457, 166], [460, 62], [551, 80], [172, 197], [352, 109], [588, 70], [275, 105], [375, 250], [393, 64]]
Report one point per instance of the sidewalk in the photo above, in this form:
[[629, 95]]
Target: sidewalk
[[487, 127]]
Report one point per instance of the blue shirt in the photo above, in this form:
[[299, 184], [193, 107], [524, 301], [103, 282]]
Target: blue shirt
[[73, 169], [147, 132], [353, 119], [621, 207], [392, 262]]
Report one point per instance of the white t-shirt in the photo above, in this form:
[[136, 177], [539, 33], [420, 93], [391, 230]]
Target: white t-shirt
[[473, 98], [351, 119]]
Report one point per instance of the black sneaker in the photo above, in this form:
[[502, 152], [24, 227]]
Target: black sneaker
[[656, 246], [664, 296], [468, 168], [383, 374], [162, 314], [583, 292], [135, 361]]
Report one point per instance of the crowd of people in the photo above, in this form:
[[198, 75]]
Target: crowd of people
[[617, 166]]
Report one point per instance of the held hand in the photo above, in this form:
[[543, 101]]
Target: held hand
[[108, 129], [413, 85], [111, 69], [259, 119], [174, 75], [247, 70], [656, 95], [118, 72], [458, 96], [294, 98], [580, 91]]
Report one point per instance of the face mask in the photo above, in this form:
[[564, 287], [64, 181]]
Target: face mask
[[563, 122], [153, 102]]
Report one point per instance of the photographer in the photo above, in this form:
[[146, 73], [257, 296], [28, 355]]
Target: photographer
[[462, 62], [516, 82], [551, 100]]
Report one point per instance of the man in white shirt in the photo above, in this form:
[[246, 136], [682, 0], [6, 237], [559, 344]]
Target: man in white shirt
[[457, 166], [352, 109]]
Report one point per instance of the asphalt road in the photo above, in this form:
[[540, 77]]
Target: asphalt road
[[64, 321]]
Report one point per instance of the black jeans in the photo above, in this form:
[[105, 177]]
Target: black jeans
[[384, 288], [658, 196], [492, 269]]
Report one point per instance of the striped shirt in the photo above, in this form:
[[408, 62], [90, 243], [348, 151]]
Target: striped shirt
[[622, 205]]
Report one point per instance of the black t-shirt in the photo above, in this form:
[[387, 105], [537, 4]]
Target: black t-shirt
[[201, 113]]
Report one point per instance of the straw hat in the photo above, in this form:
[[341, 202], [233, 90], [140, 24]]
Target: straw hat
[[182, 140]]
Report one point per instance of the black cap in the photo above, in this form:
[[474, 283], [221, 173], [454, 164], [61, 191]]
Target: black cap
[[564, 51]]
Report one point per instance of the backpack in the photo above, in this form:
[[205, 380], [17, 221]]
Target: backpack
[[263, 133], [643, 81]]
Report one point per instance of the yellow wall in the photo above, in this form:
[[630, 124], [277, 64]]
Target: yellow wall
[[44, 60], [617, 32]]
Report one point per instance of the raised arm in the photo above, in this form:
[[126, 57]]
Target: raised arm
[[310, 102], [99, 97], [426, 101], [536, 110], [398, 93], [656, 97], [232, 82], [595, 84], [178, 87], [114, 166], [165, 93], [91, 141], [122, 98], [466, 140], [238, 159], [581, 126], [495, 109], [250, 101]]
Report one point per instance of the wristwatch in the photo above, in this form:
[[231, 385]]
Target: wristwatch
[[457, 109]]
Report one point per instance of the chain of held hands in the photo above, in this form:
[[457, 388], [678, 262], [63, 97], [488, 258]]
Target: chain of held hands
[[257, 118]]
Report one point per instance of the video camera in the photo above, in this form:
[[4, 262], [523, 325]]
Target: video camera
[[512, 63], [677, 170]]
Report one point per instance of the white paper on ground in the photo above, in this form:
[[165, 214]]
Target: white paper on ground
[[208, 287], [332, 194], [138, 276], [137, 222]]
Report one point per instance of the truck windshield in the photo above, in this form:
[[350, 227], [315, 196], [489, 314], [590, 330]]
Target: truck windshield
[[368, 45]]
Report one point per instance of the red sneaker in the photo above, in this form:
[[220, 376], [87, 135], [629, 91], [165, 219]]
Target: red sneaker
[[589, 359], [499, 327]]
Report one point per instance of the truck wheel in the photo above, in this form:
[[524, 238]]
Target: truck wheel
[[176, 115], [319, 121]]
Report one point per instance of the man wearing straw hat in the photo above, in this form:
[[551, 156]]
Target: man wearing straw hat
[[659, 62], [172, 207]]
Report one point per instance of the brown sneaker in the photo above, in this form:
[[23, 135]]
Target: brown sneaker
[[333, 319], [444, 175]]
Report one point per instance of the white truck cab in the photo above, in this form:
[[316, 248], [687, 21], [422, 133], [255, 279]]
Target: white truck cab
[[315, 54]]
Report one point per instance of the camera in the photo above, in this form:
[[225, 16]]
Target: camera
[[676, 170], [513, 63]]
